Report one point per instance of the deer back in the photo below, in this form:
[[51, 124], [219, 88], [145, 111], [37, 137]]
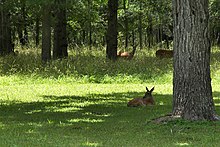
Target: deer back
[[136, 102], [127, 55], [164, 53]]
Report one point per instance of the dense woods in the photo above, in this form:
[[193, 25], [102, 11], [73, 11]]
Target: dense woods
[[85, 23]]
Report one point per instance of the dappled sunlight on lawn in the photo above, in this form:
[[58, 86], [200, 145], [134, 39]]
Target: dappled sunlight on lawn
[[88, 120], [182, 144]]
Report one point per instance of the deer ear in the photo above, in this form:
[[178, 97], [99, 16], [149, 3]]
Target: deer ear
[[152, 89], [147, 89]]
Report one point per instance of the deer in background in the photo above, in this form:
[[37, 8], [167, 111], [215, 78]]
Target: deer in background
[[162, 53], [147, 99], [127, 55]]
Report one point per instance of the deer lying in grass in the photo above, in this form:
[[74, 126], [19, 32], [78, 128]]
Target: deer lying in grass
[[126, 55], [147, 99], [161, 53]]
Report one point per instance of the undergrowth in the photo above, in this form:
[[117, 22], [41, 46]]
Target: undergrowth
[[88, 66]]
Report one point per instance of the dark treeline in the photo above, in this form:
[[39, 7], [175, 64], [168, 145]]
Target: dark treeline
[[55, 25]]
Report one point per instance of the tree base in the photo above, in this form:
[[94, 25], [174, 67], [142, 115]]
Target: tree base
[[169, 117], [165, 119]]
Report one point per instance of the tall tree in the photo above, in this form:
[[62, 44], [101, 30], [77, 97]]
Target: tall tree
[[192, 91], [60, 34], [46, 32], [112, 32], [126, 22], [140, 25], [6, 45]]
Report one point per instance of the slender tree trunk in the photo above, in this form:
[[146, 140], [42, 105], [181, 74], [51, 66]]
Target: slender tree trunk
[[192, 91], [150, 31], [24, 37], [60, 34], [6, 45], [218, 38], [83, 37], [112, 32], [19, 26], [133, 38], [90, 24], [46, 34], [126, 24], [140, 26], [37, 30]]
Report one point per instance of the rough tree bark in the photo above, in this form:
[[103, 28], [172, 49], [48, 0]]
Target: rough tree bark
[[192, 91], [112, 33]]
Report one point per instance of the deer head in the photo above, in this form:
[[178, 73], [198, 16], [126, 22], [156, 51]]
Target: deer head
[[148, 93]]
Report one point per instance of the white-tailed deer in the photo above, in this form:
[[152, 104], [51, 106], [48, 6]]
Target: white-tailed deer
[[161, 53], [147, 99], [127, 55]]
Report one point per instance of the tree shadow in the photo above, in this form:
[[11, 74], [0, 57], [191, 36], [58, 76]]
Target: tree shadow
[[73, 109], [92, 108], [87, 115]]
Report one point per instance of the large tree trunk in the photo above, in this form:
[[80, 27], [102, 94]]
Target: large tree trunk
[[46, 33], [112, 32], [60, 34], [192, 91], [6, 45]]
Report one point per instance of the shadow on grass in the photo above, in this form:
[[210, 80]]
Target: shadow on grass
[[92, 108], [96, 117]]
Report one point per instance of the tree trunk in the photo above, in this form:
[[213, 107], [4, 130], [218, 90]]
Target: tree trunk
[[60, 34], [133, 38], [218, 38], [37, 30], [6, 45], [126, 24], [24, 17], [46, 34], [112, 32], [150, 31], [90, 23], [192, 91], [140, 25]]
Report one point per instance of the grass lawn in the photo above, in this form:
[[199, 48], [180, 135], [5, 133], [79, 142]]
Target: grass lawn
[[82, 101]]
